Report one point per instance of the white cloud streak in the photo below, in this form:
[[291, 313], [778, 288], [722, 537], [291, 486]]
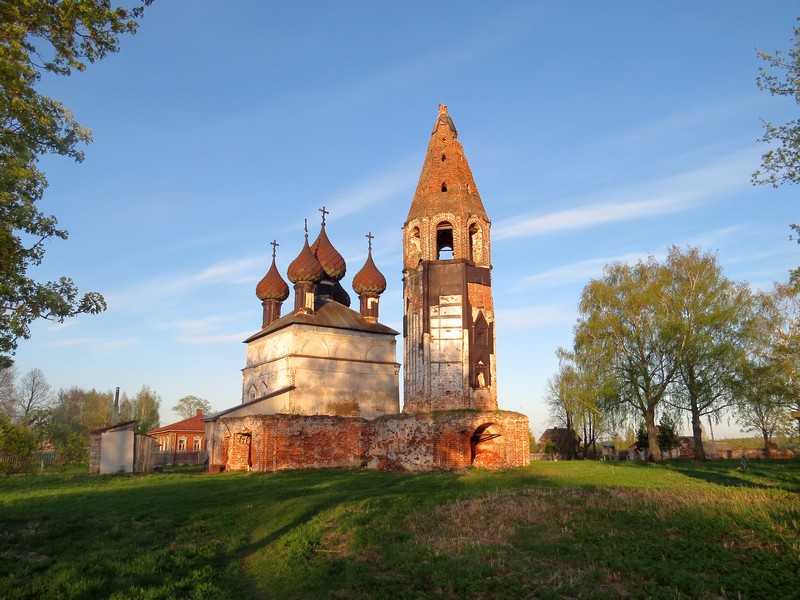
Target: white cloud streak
[[651, 199], [535, 317], [578, 271], [206, 330]]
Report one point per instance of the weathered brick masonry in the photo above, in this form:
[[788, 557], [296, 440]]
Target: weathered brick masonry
[[419, 442]]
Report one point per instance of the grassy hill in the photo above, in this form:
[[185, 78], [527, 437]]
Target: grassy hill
[[553, 530]]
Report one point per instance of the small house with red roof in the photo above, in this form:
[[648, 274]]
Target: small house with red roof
[[183, 441]]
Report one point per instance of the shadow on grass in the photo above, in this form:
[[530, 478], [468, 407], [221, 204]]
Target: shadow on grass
[[759, 473]]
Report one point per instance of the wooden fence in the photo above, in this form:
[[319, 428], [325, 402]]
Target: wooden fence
[[169, 457]]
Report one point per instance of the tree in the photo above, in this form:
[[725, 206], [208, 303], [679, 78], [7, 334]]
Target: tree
[[769, 385], [188, 406], [562, 397], [780, 76], [760, 407], [39, 36], [17, 445], [710, 313], [668, 437], [82, 410], [142, 408], [625, 318], [7, 391], [33, 394]]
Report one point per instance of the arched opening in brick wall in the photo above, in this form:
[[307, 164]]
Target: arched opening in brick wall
[[240, 457], [444, 241], [486, 446]]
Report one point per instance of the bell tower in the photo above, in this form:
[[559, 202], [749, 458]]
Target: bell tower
[[448, 323]]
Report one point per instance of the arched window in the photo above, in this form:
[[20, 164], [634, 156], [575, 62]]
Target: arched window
[[444, 158], [474, 243], [444, 241], [444, 186]]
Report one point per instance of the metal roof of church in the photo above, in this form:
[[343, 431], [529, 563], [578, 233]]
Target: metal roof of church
[[329, 314]]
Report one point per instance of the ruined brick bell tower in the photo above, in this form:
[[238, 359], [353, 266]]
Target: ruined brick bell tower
[[448, 324]]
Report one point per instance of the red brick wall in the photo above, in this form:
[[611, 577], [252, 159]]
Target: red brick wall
[[420, 442]]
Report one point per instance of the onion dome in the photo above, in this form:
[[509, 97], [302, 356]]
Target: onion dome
[[332, 262], [369, 279], [340, 295], [305, 267], [272, 287]]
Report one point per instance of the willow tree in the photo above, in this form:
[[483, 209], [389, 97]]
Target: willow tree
[[710, 315], [42, 36], [625, 316]]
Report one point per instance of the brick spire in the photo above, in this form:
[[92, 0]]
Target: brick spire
[[446, 183]]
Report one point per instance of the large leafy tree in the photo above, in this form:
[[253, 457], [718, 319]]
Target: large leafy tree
[[710, 314], [770, 378], [625, 317], [37, 36]]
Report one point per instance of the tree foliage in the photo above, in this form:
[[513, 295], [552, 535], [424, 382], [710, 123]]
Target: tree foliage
[[625, 317], [143, 408], [711, 315], [17, 445], [188, 406], [780, 76], [39, 36], [668, 437]]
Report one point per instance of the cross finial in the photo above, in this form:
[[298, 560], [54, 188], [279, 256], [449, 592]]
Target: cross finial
[[305, 227], [370, 237], [324, 212], [275, 244]]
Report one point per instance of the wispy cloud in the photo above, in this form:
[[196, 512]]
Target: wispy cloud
[[98, 344], [146, 293], [534, 317], [395, 180], [207, 330], [578, 271], [672, 194]]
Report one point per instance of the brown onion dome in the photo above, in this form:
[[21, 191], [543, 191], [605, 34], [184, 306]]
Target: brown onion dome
[[369, 279], [305, 267], [272, 287], [332, 262]]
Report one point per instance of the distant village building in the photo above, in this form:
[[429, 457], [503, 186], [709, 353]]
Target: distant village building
[[320, 387], [183, 441]]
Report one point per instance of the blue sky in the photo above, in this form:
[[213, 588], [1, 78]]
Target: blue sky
[[595, 131]]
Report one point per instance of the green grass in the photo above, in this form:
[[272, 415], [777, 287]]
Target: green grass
[[553, 530]]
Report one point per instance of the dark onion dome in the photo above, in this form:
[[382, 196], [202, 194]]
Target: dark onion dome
[[272, 287], [332, 262], [305, 267], [369, 279], [340, 295]]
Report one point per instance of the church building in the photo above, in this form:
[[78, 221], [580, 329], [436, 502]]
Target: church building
[[320, 387]]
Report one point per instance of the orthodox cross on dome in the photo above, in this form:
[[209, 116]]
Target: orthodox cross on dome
[[305, 226], [275, 244], [370, 237], [324, 212]]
